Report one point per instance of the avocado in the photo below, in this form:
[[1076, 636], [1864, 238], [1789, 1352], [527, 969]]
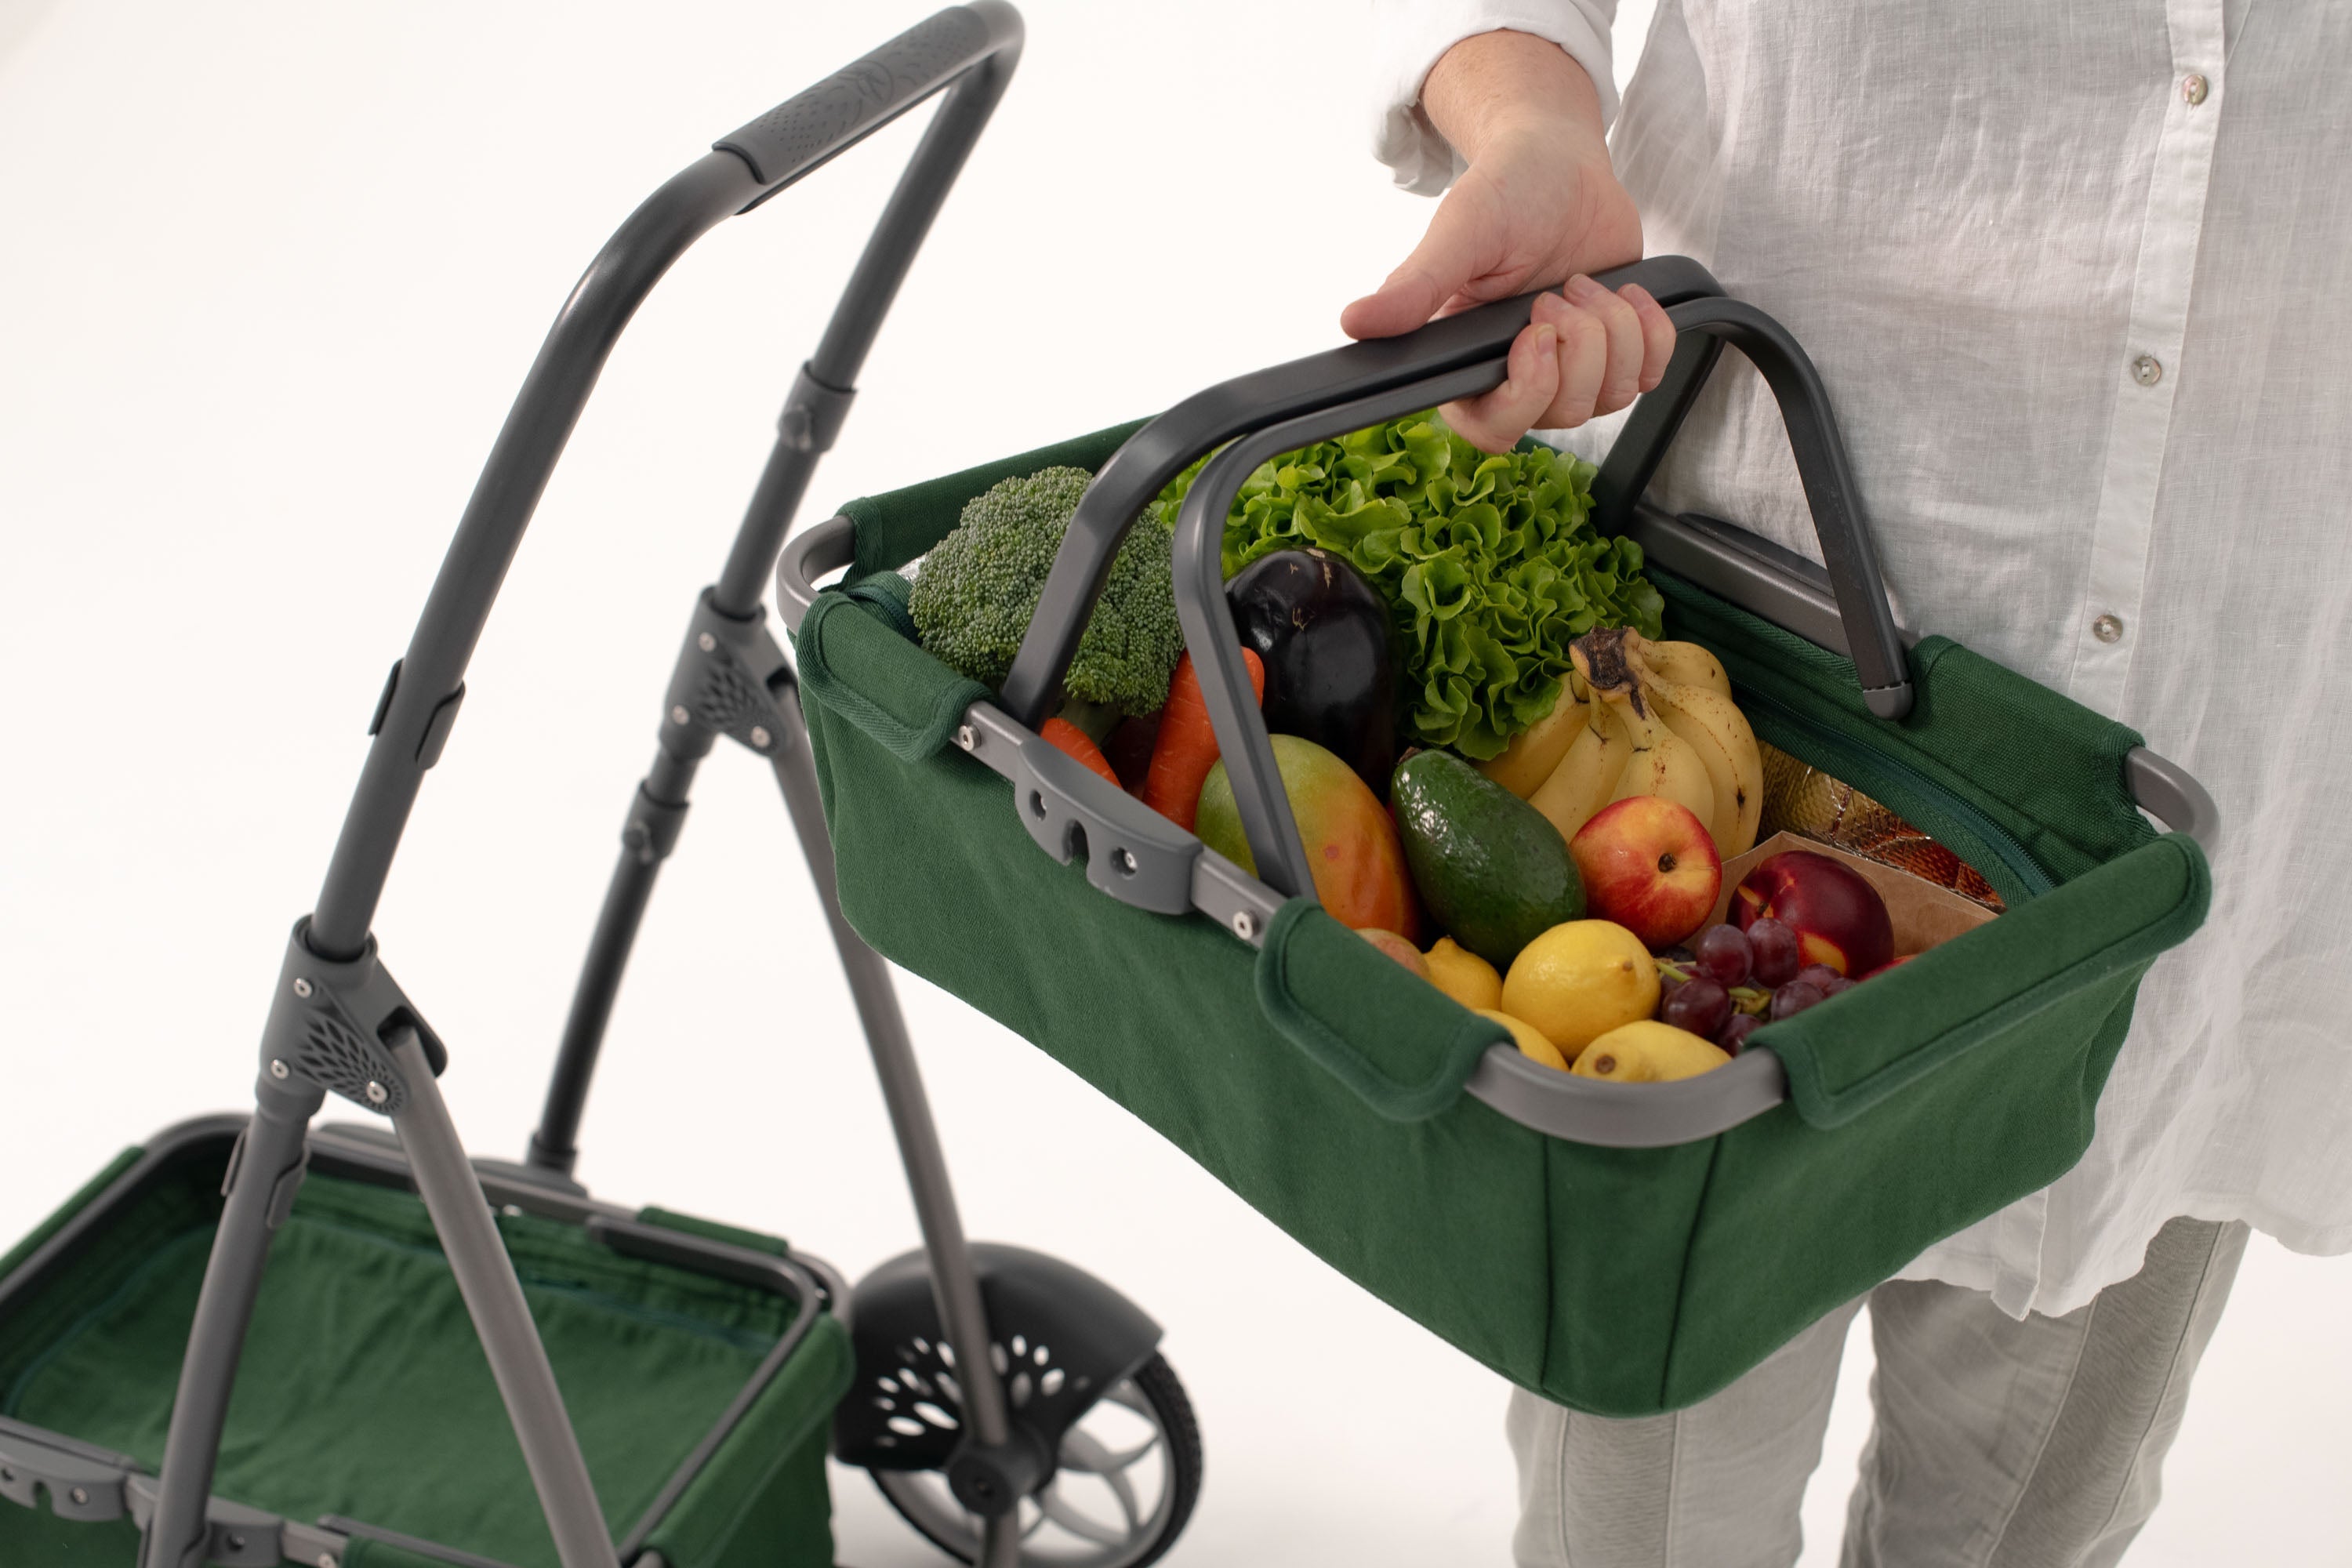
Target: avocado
[[1493, 871]]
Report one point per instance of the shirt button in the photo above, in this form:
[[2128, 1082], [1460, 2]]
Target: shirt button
[[2107, 628], [2192, 89], [2146, 371]]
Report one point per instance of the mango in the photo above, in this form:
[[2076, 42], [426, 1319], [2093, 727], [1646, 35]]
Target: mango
[[1351, 846]]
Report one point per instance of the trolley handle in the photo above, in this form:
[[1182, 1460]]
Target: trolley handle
[[814, 127], [966, 52]]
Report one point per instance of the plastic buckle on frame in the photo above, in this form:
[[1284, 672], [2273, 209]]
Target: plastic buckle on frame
[[328, 1024], [723, 685]]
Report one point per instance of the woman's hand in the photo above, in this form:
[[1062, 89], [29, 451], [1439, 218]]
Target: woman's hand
[[1538, 204]]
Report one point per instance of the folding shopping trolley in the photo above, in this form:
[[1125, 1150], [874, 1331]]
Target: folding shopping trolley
[[1624, 1248], [659, 1391]]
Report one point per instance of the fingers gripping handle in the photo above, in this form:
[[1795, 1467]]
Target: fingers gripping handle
[[811, 127]]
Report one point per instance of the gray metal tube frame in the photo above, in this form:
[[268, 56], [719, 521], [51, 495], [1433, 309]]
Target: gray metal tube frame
[[494, 1299], [812, 414], [421, 700], [264, 1174], [955, 1286]]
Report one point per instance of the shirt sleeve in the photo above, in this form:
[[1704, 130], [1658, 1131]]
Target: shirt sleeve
[[1410, 36]]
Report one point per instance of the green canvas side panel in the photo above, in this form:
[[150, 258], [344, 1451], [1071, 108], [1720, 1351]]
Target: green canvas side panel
[[40, 1234], [1799, 1220], [35, 1538], [1618, 1221], [163, 1213], [762, 1500], [894, 529], [780, 1517], [1442, 1218]]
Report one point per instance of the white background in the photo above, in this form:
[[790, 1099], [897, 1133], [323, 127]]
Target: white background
[[269, 275]]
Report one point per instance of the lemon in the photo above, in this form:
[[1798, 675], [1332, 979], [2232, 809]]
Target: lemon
[[1463, 976], [1648, 1052], [1532, 1044], [1580, 980]]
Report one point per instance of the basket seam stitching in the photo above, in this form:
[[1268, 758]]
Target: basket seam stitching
[[1683, 1277]]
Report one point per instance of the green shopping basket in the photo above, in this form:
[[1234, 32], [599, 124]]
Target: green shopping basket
[[1624, 1249], [700, 1365]]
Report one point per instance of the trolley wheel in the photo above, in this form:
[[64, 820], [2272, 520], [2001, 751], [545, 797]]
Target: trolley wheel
[[1127, 1477]]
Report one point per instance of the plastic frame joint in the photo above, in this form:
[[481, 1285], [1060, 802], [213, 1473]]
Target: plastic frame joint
[[724, 685], [330, 1023], [813, 413]]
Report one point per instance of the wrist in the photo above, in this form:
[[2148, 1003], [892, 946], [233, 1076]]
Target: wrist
[[1506, 91]]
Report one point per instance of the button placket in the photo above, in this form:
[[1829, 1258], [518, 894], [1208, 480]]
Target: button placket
[[2141, 421]]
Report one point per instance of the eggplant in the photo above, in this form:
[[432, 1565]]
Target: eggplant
[[1325, 636]]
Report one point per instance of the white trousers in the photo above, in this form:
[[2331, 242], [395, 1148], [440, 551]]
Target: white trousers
[[1998, 1444]]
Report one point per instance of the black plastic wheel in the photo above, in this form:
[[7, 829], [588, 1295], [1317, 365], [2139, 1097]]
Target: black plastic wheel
[[1059, 1529]]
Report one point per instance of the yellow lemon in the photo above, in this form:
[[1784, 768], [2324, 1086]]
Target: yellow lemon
[[1532, 1044], [1580, 980], [1463, 976], [1648, 1052]]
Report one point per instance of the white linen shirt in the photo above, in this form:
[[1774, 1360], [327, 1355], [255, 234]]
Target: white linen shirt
[[2078, 276]]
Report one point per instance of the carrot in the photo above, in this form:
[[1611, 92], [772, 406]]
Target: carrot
[[1064, 736], [1187, 747]]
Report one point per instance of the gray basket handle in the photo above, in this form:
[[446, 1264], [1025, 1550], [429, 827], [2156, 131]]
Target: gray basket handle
[[1348, 388], [1703, 327], [1475, 341]]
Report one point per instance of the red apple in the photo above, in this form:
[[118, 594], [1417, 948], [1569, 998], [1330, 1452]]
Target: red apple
[[1838, 916], [1649, 865]]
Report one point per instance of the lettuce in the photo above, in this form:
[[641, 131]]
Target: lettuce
[[1490, 564]]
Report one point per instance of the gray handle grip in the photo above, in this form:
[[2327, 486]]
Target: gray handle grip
[[810, 128]]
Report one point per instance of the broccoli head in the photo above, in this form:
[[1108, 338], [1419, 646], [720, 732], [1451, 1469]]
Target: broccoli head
[[978, 587]]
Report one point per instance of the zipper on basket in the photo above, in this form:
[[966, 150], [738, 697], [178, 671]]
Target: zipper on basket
[[1857, 760]]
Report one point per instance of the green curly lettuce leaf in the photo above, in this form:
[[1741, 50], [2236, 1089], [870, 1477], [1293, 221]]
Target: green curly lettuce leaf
[[1489, 565]]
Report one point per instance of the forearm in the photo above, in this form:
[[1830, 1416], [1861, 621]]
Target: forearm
[[1504, 84]]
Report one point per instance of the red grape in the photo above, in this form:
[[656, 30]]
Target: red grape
[[1794, 997], [1734, 1034], [1699, 1004], [1776, 958], [1724, 954], [1839, 987], [1819, 974]]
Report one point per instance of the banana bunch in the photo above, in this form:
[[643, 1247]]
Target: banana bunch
[[1640, 717]]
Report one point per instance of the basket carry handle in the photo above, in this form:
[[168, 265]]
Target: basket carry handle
[[1458, 356]]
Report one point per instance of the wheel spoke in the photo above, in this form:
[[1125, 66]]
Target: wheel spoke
[[1113, 1461], [1059, 1509], [1081, 1452], [1124, 1391]]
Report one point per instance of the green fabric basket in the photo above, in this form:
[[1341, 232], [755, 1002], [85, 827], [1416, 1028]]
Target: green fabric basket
[[363, 1394], [1322, 1083]]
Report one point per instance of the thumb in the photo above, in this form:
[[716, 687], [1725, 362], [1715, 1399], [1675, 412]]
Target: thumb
[[1448, 256]]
